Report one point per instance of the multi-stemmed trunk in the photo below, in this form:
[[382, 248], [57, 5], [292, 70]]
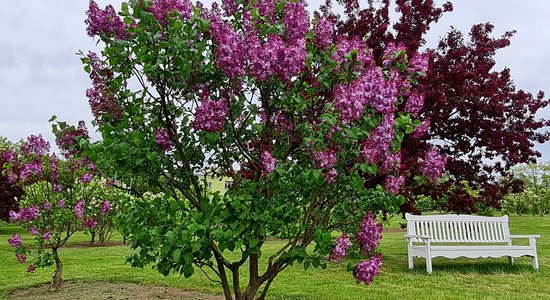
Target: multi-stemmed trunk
[[56, 279]]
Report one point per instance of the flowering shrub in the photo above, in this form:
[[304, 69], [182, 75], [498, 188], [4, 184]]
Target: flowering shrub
[[305, 122]]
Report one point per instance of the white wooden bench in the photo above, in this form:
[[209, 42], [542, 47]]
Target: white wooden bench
[[486, 237]]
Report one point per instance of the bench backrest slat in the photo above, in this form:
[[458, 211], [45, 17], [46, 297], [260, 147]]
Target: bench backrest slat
[[459, 228]]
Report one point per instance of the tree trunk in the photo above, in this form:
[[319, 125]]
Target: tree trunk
[[56, 280], [93, 237]]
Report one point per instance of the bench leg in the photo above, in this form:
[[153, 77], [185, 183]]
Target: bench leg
[[429, 265], [411, 262], [535, 262], [511, 260]]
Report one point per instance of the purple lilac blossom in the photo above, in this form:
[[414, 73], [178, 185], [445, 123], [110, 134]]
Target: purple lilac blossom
[[379, 140], [365, 271], [418, 63], [30, 213], [21, 258], [393, 184], [338, 253], [391, 162], [296, 21], [29, 169], [36, 144], [324, 30], [57, 187], [162, 139], [421, 129], [79, 209], [105, 207], [104, 21], [164, 9], [266, 8], [369, 233], [46, 235], [211, 115], [229, 7], [100, 97], [89, 223], [31, 269], [230, 55], [433, 165], [61, 203], [390, 51], [414, 103], [8, 155], [330, 175], [47, 206], [14, 216], [15, 240], [268, 162], [86, 177], [33, 231]]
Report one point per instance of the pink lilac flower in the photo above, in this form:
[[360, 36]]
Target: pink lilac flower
[[414, 103], [8, 156], [393, 184], [21, 258], [61, 203], [36, 144], [324, 159], [365, 271], [46, 235], [330, 176], [86, 177], [229, 7], [67, 141], [391, 162], [390, 51], [30, 169], [89, 223], [268, 162], [296, 21], [57, 187], [164, 9], [211, 115], [418, 63], [15, 240], [162, 139], [105, 207], [100, 97], [433, 165], [11, 177], [379, 140], [110, 182], [345, 46], [31, 269], [104, 21], [14, 216], [30, 213], [421, 129], [33, 231], [324, 30], [338, 253], [266, 8], [79, 209], [229, 55], [369, 233], [47, 206]]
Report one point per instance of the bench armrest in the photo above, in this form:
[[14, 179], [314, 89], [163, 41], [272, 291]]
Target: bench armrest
[[525, 236], [417, 236]]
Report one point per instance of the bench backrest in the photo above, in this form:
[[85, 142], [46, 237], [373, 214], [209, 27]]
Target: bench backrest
[[459, 228]]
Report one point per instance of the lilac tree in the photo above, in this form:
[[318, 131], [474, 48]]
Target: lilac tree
[[306, 123]]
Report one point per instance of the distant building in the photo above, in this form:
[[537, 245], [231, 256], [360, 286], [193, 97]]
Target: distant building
[[218, 184]]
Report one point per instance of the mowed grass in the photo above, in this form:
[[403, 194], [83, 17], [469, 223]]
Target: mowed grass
[[452, 279]]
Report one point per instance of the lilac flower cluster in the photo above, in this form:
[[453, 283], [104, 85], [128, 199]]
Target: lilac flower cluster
[[211, 115], [433, 165], [390, 51], [105, 207], [36, 145], [379, 141], [47, 206], [345, 46], [391, 162], [343, 243], [229, 7], [369, 234], [8, 156], [421, 129], [86, 177], [100, 97], [324, 30], [25, 214], [46, 235], [61, 203], [89, 223], [20, 257], [32, 168], [326, 161], [162, 139], [268, 162], [79, 209], [296, 21], [15, 240], [393, 184], [230, 54], [164, 9], [33, 230], [418, 63], [67, 140], [266, 8], [365, 271], [31, 269], [414, 103], [104, 21]]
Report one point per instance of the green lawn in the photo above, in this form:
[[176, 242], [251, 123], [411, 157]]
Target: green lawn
[[452, 279]]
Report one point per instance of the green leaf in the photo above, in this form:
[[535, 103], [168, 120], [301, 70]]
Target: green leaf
[[188, 271], [176, 255]]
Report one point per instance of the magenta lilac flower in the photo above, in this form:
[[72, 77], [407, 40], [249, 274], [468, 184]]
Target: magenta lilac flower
[[86, 177], [105, 207], [46, 235], [14, 216], [365, 271], [268, 162], [369, 233], [324, 30], [391, 162], [100, 97], [20, 257], [57, 187], [30, 213], [104, 21], [390, 52], [330, 175], [31, 269], [229, 7], [36, 144], [165, 9], [393, 184], [230, 55], [421, 129], [33, 230], [162, 139], [338, 253], [296, 20], [433, 165], [15, 240], [211, 115], [79, 209], [47, 206], [8, 156], [29, 169], [345, 46], [418, 63], [266, 8], [324, 159], [89, 223], [61, 203], [67, 141], [379, 140], [414, 103]]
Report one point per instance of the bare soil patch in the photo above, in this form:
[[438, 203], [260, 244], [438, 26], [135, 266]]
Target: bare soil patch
[[108, 290]]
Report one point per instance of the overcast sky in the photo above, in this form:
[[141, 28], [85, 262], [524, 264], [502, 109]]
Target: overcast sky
[[41, 76]]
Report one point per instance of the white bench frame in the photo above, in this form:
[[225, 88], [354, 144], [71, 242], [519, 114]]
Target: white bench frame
[[492, 233]]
